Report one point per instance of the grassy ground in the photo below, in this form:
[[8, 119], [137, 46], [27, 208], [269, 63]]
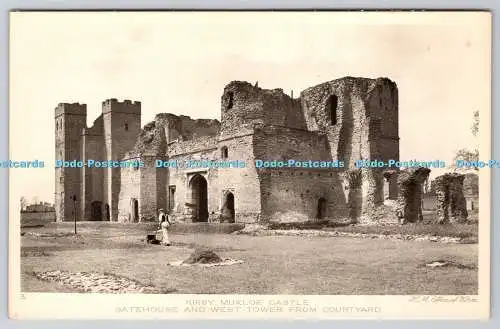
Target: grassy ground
[[272, 264]]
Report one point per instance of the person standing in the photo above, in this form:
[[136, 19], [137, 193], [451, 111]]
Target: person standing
[[164, 225]]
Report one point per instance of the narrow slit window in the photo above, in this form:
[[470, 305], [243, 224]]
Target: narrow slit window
[[230, 101], [332, 108]]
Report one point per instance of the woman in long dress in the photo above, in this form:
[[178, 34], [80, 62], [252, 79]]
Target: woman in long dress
[[164, 225]]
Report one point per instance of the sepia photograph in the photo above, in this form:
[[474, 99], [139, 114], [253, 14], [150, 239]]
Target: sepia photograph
[[196, 165]]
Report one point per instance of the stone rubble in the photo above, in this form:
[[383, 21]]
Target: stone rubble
[[95, 282], [223, 262], [320, 233]]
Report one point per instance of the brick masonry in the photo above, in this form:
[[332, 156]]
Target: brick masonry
[[341, 120]]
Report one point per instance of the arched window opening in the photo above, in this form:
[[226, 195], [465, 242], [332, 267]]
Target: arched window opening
[[224, 152]]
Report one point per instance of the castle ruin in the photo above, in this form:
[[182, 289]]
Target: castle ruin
[[347, 119]]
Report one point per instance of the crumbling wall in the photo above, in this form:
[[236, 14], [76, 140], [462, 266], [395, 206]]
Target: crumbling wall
[[244, 105], [185, 128], [450, 198], [362, 125], [410, 181]]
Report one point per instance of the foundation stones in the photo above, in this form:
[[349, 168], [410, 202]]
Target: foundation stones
[[409, 205]]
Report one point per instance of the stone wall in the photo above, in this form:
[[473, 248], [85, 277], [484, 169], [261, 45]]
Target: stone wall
[[130, 190], [184, 128], [359, 116], [352, 185], [153, 189], [192, 146], [283, 144], [289, 195], [241, 182]]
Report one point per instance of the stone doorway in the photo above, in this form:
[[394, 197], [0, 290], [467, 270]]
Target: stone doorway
[[321, 209], [107, 212], [96, 211], [228, 208], [134, 211], [199, 198]]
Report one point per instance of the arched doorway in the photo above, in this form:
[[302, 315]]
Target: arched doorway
[[321, 210], [228, 208], [199, 194], [96, 211], [107, 212], [134, 205]]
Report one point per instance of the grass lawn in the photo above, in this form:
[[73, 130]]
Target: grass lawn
[[272, 264]]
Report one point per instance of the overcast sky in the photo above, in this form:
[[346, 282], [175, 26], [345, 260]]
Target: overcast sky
[[180, 63]]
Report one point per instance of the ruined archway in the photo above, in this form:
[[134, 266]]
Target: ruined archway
[[228, 208], [321, 209], [96, 211], [199, 198]]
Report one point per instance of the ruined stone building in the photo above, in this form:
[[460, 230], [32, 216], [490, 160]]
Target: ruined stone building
[[341, 120]]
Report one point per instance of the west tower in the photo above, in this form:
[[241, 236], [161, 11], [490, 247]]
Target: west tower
[[70, 119]]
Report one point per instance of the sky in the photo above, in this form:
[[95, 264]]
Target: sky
[[180, 63]]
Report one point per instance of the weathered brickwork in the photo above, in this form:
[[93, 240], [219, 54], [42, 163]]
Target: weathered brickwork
[[342, 120], [411, 182], [450, 198]]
